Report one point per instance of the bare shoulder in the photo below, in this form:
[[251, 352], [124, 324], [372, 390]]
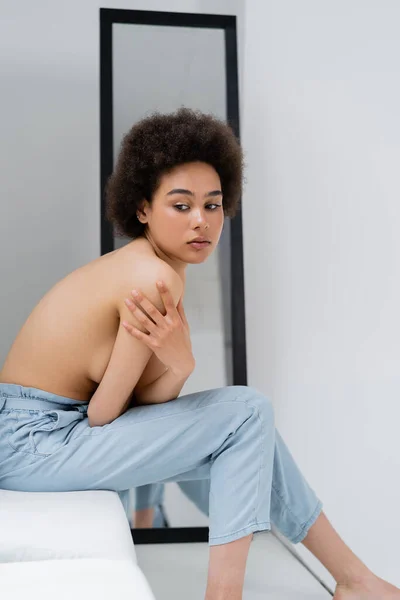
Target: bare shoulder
[[141, 270]]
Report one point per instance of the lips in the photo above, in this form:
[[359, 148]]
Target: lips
[[199, 245]]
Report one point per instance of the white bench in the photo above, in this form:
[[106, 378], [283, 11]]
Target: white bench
[[67, 545]]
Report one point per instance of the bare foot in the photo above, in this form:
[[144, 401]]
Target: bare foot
[[373, 589]]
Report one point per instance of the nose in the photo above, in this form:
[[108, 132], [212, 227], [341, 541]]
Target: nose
[[199, 219]]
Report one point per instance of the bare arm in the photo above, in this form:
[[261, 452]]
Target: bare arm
[[166, 387], [129, 356]]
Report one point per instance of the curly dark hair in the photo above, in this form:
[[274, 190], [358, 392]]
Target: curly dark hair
[[158, 143]]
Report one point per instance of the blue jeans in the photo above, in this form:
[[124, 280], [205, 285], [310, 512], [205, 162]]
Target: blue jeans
[[224, 435], [152, 496]]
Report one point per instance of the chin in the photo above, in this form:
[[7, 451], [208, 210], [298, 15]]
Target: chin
[[199, 256], [198, 261]]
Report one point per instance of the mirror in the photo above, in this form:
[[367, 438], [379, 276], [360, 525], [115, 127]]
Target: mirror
[[162, 61]]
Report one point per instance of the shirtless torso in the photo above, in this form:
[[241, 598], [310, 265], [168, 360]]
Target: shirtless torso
[[66, 343]]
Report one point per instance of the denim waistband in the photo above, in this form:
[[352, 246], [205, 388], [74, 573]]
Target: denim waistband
[[18, 396]]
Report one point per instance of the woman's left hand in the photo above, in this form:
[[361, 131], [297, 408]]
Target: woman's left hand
[[169, 336]]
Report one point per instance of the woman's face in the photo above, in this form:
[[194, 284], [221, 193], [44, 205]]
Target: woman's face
[[186, 205]]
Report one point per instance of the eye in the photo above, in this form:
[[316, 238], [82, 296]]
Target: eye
[[179, 207]]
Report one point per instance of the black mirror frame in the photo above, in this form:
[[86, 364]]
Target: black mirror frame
[[228, 24]]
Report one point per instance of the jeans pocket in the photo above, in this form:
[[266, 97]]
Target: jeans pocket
[[42, 433]]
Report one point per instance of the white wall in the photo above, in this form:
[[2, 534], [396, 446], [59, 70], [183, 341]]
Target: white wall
[[321, 210]]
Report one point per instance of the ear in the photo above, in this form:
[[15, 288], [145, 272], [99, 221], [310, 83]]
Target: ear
[[141, 211]]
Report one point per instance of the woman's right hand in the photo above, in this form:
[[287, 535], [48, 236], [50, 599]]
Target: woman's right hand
[[168, 336]]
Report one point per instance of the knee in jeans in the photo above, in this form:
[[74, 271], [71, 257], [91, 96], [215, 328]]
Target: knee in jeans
[[254, 398]]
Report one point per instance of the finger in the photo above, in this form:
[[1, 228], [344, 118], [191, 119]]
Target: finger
[[147, 307], [141, 316], [143, 337], [146, 338], [166, 297]]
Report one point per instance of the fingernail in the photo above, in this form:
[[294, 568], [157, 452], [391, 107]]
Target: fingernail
[[135, 293], [128, 302]]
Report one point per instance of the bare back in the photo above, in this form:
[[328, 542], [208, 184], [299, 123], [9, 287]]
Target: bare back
[[66, 343]]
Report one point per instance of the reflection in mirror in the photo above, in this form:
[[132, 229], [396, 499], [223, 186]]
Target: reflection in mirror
[[184, 66]]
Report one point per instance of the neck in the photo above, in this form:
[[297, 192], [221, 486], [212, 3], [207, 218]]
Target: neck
[[178, 266]]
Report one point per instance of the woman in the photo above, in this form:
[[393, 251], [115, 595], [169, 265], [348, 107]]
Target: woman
[[89, 389]]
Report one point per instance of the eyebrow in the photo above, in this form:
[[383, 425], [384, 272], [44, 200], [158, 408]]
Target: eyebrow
[[189, 193]]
